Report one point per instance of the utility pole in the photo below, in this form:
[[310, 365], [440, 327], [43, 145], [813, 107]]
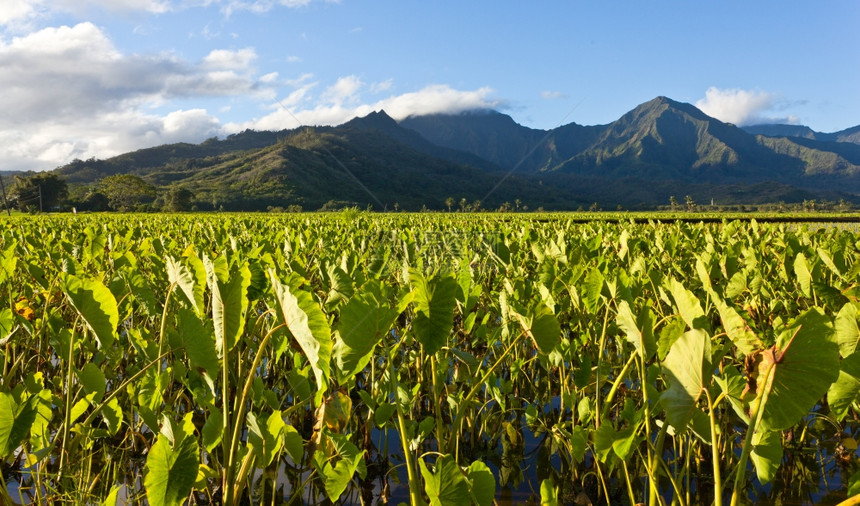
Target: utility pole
[[5, 203]]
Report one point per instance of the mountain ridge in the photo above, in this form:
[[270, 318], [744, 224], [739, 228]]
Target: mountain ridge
[[658, 149]]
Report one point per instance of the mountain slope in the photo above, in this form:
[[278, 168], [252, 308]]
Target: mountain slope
[[849, 135], [659, 149], [352, 164]]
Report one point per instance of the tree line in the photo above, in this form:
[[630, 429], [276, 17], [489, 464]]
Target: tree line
[[47, 191]]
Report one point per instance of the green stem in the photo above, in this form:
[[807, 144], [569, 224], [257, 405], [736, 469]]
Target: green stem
[[461, 409], [437, 408], [630, 494], [240, 413], [715, 454], [600, 347], [618, 379], [760, 402], [67, 420], [411, 467], [227, 478], [656, 458], [116, 391]]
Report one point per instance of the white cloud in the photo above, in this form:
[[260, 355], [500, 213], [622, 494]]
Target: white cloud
[[743, 107], [68, 92], [438, 98], [232, 60], [263, 6], [344, 90], [300, 108], [20, 12], [15, 11], [552, 95], [381, 86]]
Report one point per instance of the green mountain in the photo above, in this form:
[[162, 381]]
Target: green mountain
[[659, 141], [357, 163], [659, 149], [851, 135]]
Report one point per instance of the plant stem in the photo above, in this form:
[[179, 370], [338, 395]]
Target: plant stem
[[715, 454], [67, 420], [461, 409], [760, 402], [656, 458], [240, 413]]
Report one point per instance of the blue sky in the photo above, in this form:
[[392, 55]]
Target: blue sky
[[83, 78]]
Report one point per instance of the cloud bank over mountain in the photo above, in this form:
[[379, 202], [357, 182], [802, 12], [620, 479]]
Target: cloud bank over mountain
[[743, 107]]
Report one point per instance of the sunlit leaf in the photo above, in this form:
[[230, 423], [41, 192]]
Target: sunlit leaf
[[95, 304]]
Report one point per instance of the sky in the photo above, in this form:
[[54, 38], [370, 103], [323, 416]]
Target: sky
[[97, 78]]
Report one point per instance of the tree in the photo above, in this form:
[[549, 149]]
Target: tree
[[178, 199], [691, 204], [42, 191], [126, 192], [673, 203], [449, 202]]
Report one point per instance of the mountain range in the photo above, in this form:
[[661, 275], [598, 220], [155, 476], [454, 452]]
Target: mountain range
[[662, 148]]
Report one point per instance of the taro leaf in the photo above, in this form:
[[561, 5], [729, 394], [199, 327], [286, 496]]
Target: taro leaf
[[542, 326], [348, 461], [171, 468], [766, 454], [364, 321], [15, 422], [732, 383], [804, 277], [198, 343], [737, 328], [578, 443], [603, 438], [8, 263], [641, 338], [93, 381], [265, 440], [846, 389], [96, 305], [847, 331], [434, 302], [689, 306], [7, 325], [625, 442], [229, 302], [189, 274], [308, 326], [483, 483], [212, 429], [341, 287], [854, 485], [673, 330], [111, 499], [382, 413], [592, 289], [805, 362], [688, 371], [293, 444], [112, 414], [142, 292], [446, 485], [548, 493]]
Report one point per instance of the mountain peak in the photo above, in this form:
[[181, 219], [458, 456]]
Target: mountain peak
[[377, 119]]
